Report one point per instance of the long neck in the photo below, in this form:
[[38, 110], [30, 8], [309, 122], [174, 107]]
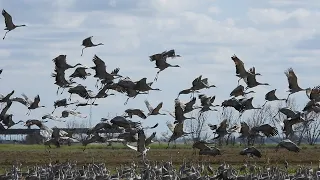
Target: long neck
[[173, 65], [20, 25], [249, 92], [263, 83]]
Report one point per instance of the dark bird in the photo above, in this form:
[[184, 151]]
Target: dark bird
[[9, 24], [251, 151], [95, 137], [157, 56], [60, 103], [154, 111], [171, 53], [61, 63], [206, 150], [162, 64], [123, 122], [177, 132], [36, 122], [79, 90], [314, 93], [199, 83], [271, 96], [251, 80], [189, 106], [179, 112], [85, 104], [143, 86], [266, 129], [101, 72], [246, 104], [241, 72], [206, 103], [80, 72], [60, 80], [293, 82], [29, 103], [289, 145], [222, 129], [287, 126], [6, 98], [239, 91], [289, 113], [187, 91], [141, 145], [137, 112], [88, 43], [233, 102]]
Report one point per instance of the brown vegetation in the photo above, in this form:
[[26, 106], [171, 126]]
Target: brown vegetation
[[115, 157]]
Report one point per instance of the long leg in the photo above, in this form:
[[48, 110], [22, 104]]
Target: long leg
[[97, 83], [168, 145], [76, 108], [5, 35], [125, 103], [264, 104], [62, 90], [82, 50], [58, 90], [240, 115], [288, 97], [54, 110], [156, 78], [28, 113], [239, 80]]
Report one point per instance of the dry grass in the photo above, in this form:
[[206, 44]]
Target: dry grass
[[114, 156]]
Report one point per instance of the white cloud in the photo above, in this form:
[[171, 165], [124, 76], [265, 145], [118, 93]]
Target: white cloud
[[206, 34], [214, 10]]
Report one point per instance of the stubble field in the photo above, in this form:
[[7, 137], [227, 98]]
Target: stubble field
[[117, 155]]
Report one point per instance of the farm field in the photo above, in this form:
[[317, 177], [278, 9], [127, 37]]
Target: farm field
[[118, 154]]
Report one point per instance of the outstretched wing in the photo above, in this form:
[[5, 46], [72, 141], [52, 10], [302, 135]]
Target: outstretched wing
[[7, 18], [150, 108], [170, 126], [132, 147], [292, 79]]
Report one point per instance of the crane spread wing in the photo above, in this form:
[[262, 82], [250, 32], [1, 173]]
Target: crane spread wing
[[150, 108], [26, 98], [158, 107], [7, 18], [292, 79], [170, 126], [132, 147]]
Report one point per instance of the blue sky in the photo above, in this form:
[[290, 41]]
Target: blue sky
[[270, 35]]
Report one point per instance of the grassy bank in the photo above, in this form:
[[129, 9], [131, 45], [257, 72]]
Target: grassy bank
[[119, 154]]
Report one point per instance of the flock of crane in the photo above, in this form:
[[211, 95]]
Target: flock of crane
[[164, 170], [134, 131]]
